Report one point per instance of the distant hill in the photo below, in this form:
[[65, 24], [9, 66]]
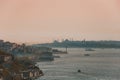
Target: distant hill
[[82, 44]]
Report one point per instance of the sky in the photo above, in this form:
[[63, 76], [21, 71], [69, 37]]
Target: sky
[[40, 21]]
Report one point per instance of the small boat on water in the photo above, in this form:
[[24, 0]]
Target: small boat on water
[[86, 54], [79, 71], [55, 51], [89, 49]]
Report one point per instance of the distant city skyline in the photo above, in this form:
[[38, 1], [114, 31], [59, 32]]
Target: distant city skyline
[[41, 21]]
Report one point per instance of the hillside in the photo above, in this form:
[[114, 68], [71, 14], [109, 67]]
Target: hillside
[[12, 68]]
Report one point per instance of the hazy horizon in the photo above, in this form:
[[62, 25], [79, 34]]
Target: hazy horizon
[[40, 21]]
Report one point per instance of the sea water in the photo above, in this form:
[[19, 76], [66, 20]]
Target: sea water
[[102, 64]]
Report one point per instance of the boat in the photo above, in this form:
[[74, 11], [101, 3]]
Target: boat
[[55, 51], [89, 49], [86, 54], [79, 71]]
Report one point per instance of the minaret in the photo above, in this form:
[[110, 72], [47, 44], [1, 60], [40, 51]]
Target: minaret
[[66, 49]]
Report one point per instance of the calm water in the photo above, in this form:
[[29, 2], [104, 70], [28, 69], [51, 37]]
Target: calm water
[[102, 64]]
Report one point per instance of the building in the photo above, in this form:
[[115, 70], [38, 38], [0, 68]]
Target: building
[[6, 57], [1, 76]]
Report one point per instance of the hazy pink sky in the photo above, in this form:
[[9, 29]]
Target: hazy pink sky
[[46, 20]]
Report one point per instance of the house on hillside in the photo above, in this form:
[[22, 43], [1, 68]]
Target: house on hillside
[[6, 58], [31, 74], [1, 76]]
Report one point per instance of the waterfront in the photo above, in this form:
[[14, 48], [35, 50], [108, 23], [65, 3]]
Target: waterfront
[[102, 64]]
